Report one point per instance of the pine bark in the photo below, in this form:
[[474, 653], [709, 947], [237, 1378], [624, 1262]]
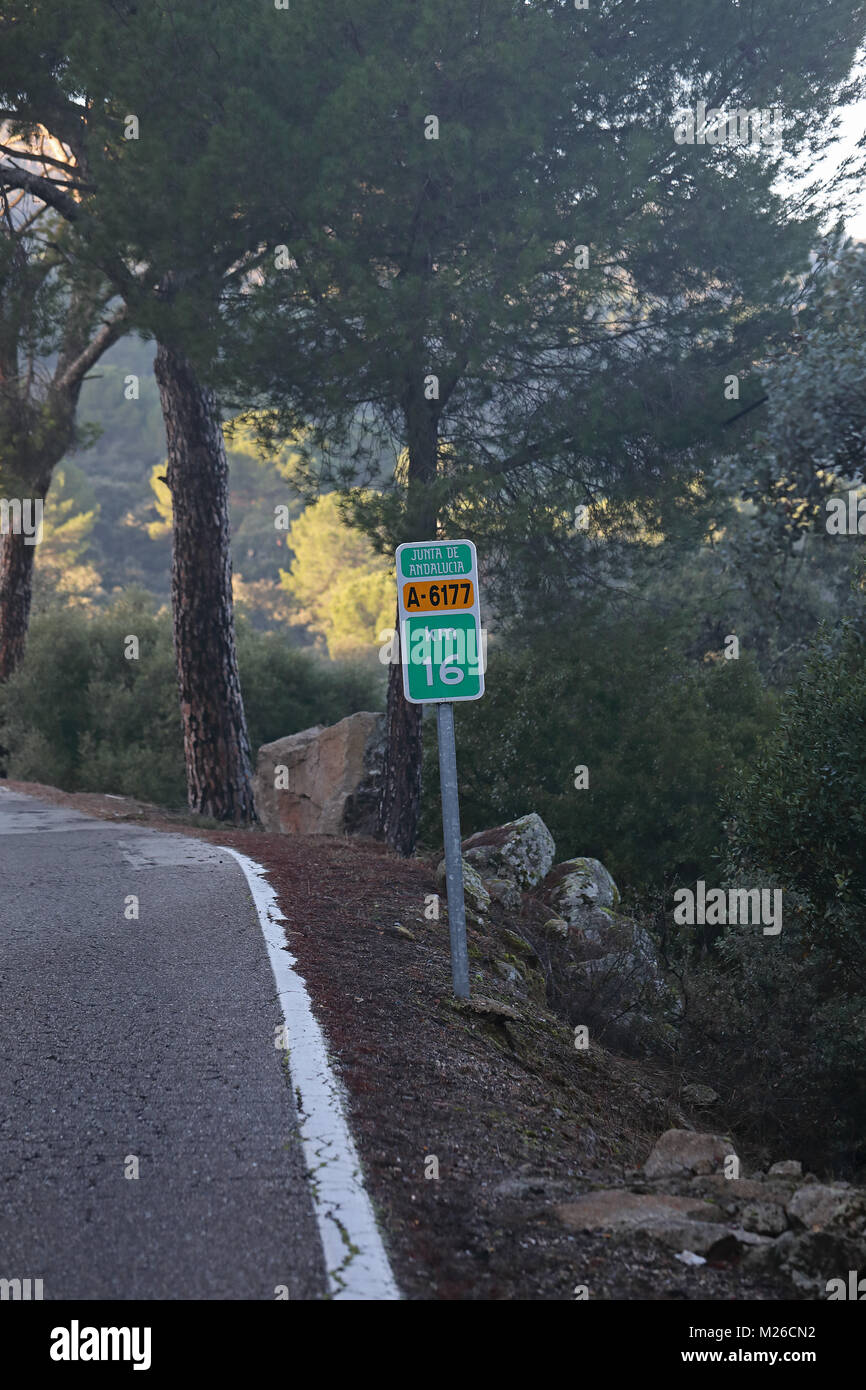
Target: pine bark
[[16, 591], [216, 744]]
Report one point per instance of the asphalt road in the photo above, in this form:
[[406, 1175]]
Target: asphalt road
[[148, 1039]]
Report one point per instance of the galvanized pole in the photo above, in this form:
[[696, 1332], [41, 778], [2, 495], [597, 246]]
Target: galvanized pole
[[453, 856]]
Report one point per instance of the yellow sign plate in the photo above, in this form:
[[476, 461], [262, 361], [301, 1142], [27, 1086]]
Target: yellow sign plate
[[438, 595]]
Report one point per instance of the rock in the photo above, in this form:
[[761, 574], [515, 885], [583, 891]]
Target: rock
[[578, 885], [329, 783], [700, 1096], [488, 1008], [504, 892], [602, 927], [788, 1168], [681, 1151], [475, 896], [731, 1244], [818, 1206], [766, 1218], [617, 1207], [616, 980], [521, 967], [400, 930], [508, 972], [585, 896], [621, 985], [518, 944], [614, 955], [677, 1222], [556, 927], [777, 1191], [811, 1261], [521, 851]]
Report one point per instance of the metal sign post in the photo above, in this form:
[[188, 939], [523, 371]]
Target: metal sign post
[[443, 662], [453, 855]]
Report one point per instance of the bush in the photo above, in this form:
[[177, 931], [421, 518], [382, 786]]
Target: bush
[[80, 716], [286, 689], [659, 735], [801, 813], [783, 1019]]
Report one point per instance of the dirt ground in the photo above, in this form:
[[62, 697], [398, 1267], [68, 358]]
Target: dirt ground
[[495, 1091]]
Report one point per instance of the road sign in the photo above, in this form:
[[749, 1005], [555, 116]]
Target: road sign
[[443, 661], [440, 621]]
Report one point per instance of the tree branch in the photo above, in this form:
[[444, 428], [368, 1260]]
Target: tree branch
[[102, 340], [47, 189], [39, 157]]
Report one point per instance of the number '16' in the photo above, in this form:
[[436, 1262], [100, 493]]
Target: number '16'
[[448, 674]]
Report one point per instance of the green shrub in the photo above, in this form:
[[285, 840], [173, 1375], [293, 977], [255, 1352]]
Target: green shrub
[[80, 716], [801, 813], [658, 733], [782, 1020], [286, 689]]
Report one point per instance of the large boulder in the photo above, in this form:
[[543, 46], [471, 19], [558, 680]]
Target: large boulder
[[683, 1151], [579, 887], [322, 781], [612, 963], [820, 1264], [767, 1218], [504, 892], [819, 1206], [787, 1168], [681, 1223], [521, 851]]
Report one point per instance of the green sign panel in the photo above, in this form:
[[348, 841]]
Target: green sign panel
[[436, 559], [440, 621]]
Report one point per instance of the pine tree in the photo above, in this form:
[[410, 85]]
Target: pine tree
[[487, 242], [136, 97], [53, 328]]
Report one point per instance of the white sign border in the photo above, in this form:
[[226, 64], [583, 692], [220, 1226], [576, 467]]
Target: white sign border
[[475, 610]]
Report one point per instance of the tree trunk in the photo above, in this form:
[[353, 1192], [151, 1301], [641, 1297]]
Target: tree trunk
[[16, 592], [16, 589], [400, 793], [216, 745], [42, 430]]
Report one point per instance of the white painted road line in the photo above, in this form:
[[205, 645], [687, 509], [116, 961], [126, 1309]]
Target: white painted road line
[[355, 1257]]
